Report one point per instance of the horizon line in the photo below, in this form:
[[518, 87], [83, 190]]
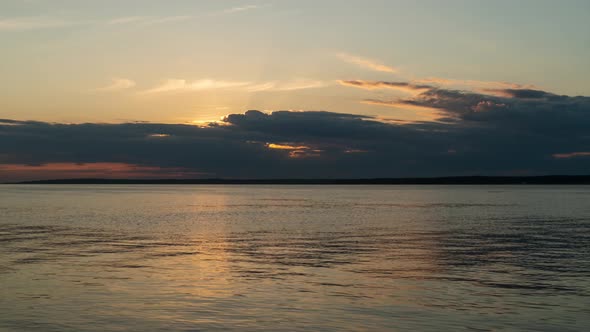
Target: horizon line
[[468, 179]]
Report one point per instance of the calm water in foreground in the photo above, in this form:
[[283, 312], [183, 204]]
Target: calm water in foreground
[[314, 258]]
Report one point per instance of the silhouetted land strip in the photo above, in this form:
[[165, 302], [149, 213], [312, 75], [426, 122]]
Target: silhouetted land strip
[[460, 180]]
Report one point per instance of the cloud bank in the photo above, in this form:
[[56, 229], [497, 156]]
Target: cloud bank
[[513, 131]]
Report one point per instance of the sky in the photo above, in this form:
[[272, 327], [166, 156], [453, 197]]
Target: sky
[[259, 89]]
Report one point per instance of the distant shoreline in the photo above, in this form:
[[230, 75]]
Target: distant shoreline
[[458, 180]]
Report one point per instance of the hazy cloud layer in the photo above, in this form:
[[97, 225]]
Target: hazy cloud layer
[[524, 132]]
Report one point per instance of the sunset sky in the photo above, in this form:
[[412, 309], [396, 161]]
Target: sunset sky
[[153, 88]]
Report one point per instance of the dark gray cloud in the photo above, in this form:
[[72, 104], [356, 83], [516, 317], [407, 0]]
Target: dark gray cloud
[[533, 111], [507, 132]]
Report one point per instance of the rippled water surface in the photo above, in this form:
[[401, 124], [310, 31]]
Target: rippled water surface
[[314, 258]]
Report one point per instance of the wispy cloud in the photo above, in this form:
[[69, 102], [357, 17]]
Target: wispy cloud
[[399, 104], [170, 19], [301, 84], [571, 155], [366, 63], [400, 86], [118, 84], [42, 22], [472, 84], [148, 20], [127, 19], [33, 23], [298, 84], [265, 86], [498, 88], [240, 9], [181, 85]]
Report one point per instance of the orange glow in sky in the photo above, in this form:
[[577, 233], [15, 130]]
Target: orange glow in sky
[[92, 170]]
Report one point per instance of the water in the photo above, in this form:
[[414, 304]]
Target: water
[[314, 258]]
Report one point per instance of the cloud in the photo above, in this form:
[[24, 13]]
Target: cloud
[[519, 93], [181, 85], [169, 19], [240, 9], [366, 63], [34, 23], [537, 107], [497, 88], [477, 134], [148, 20], [300, 85], [15, 24], [127, 20], [471, 84], [118, 84], [425, 112], [571, 155], [484, 104], [292, 85], [400, 86]]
